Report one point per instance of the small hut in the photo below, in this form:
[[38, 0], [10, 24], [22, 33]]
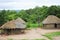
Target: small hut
[[14, 26], [51, 22]]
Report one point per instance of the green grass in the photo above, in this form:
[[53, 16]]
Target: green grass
[[51, 35], [9, 39], [31, 25], [34, 25], [27, 39], [32, 39]]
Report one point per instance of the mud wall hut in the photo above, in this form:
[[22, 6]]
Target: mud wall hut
[[51, 22], [14, 26]]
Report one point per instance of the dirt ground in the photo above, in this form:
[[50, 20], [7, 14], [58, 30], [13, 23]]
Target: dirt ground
[[56, 38], [30, 34]]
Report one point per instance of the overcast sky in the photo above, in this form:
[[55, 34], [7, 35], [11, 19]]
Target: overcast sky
[[26, 4]]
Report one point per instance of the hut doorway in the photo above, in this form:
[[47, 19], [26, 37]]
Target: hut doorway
[[55, 25], [7, 31]]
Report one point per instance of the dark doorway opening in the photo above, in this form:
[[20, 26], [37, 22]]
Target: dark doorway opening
[[8, 31], [55, 25]]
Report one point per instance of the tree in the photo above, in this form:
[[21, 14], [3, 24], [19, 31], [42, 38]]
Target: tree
[[52, 10], [2, 17], [22, 14]]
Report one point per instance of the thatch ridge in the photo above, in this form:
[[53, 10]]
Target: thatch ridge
[[51, 19], [18, 23]]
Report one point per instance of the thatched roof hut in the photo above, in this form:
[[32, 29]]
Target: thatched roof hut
[[14, 26], [51, 20], [18, 23]]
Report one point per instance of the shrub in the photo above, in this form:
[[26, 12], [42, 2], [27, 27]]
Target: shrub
[[40, 25], [32, 25]]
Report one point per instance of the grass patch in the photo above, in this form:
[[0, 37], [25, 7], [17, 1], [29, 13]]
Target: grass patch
[[51, 35], [9, 39], [33, 25], [32, 39]]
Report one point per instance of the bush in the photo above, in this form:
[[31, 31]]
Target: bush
[[34, 25], [40, 25]]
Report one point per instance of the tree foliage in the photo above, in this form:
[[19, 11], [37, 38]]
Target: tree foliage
[[35, 15]]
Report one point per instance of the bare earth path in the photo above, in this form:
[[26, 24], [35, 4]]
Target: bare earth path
[[44, 31], [30, 34], [56, 38]]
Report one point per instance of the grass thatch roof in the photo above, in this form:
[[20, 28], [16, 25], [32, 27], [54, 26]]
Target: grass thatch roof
[[51, 19], [18, 23]]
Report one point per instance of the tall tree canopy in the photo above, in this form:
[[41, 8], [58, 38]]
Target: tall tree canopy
[[35, 15]]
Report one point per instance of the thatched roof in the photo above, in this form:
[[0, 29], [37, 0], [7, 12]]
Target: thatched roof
[[18, 23], [51, 19]]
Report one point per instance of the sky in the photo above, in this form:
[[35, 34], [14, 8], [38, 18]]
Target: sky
[[25, 4]]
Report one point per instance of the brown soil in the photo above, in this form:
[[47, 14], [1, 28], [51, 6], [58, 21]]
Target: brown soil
[[30, 34], [56, 38]]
